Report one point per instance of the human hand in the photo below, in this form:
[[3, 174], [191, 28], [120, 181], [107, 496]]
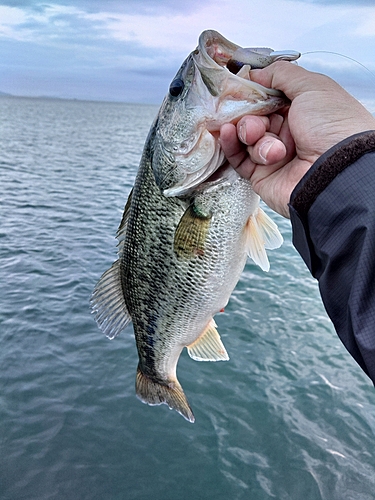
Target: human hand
[[275, 152]]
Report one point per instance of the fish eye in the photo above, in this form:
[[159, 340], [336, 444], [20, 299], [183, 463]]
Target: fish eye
[[176, 87]]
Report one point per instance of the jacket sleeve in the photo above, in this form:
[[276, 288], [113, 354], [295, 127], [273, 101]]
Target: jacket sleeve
[[332, 212]]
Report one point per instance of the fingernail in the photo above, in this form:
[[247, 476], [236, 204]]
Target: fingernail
[[242, 133], [264, 149]]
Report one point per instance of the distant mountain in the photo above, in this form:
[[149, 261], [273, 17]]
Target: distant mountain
[[4, 94]]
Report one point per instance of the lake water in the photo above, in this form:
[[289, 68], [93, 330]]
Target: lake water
[[289, 417]]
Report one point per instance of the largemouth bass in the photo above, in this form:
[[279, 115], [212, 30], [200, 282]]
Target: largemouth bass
[[190, 221]]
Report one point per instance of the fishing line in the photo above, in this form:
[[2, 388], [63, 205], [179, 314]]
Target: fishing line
[[341, 55]]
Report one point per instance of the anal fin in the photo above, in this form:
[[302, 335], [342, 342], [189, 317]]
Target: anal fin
[[208, 346], [154, 393]]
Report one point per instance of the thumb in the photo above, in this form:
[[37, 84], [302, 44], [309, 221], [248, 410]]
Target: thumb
[[289, 78]]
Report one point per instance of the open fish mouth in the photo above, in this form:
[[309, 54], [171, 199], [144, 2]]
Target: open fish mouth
[[231, 55], [216, 52], [224, 92]]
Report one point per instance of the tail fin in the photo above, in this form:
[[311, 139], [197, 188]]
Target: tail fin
[[154, 393]]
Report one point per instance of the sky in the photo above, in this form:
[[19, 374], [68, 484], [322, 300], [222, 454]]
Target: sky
[[129, 50]]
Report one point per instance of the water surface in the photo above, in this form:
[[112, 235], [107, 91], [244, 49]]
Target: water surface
[[290, 416]]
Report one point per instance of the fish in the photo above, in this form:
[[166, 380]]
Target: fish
[[190, 222]]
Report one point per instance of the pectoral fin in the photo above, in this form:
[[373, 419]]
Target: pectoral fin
[[261, 233], [191, 233], [208, 346]]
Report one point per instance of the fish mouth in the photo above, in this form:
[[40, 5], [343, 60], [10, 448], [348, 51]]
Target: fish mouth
[[215, 47], [215, 56], [222, 83]]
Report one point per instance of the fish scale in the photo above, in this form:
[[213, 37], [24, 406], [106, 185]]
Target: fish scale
[[184, 237]]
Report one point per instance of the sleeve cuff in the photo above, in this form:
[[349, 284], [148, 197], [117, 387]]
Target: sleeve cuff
[[327, 167]]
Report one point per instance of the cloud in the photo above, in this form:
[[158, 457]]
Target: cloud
[[345, 70], [131, 49], [64, 38], [114, 6], [354, 3], [367, 27], [66, 52], [88, 36], [51, 21]]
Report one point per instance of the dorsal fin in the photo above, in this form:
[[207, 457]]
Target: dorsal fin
[[261, 233], [208, 346], [121, 231]]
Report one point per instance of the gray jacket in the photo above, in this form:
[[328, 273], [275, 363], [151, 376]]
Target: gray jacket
[[332, 212]]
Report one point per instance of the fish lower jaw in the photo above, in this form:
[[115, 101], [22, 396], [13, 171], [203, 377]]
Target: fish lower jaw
[[189, 184], [225, 175]]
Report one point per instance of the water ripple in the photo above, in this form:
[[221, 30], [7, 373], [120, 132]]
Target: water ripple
[[290, 416]]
